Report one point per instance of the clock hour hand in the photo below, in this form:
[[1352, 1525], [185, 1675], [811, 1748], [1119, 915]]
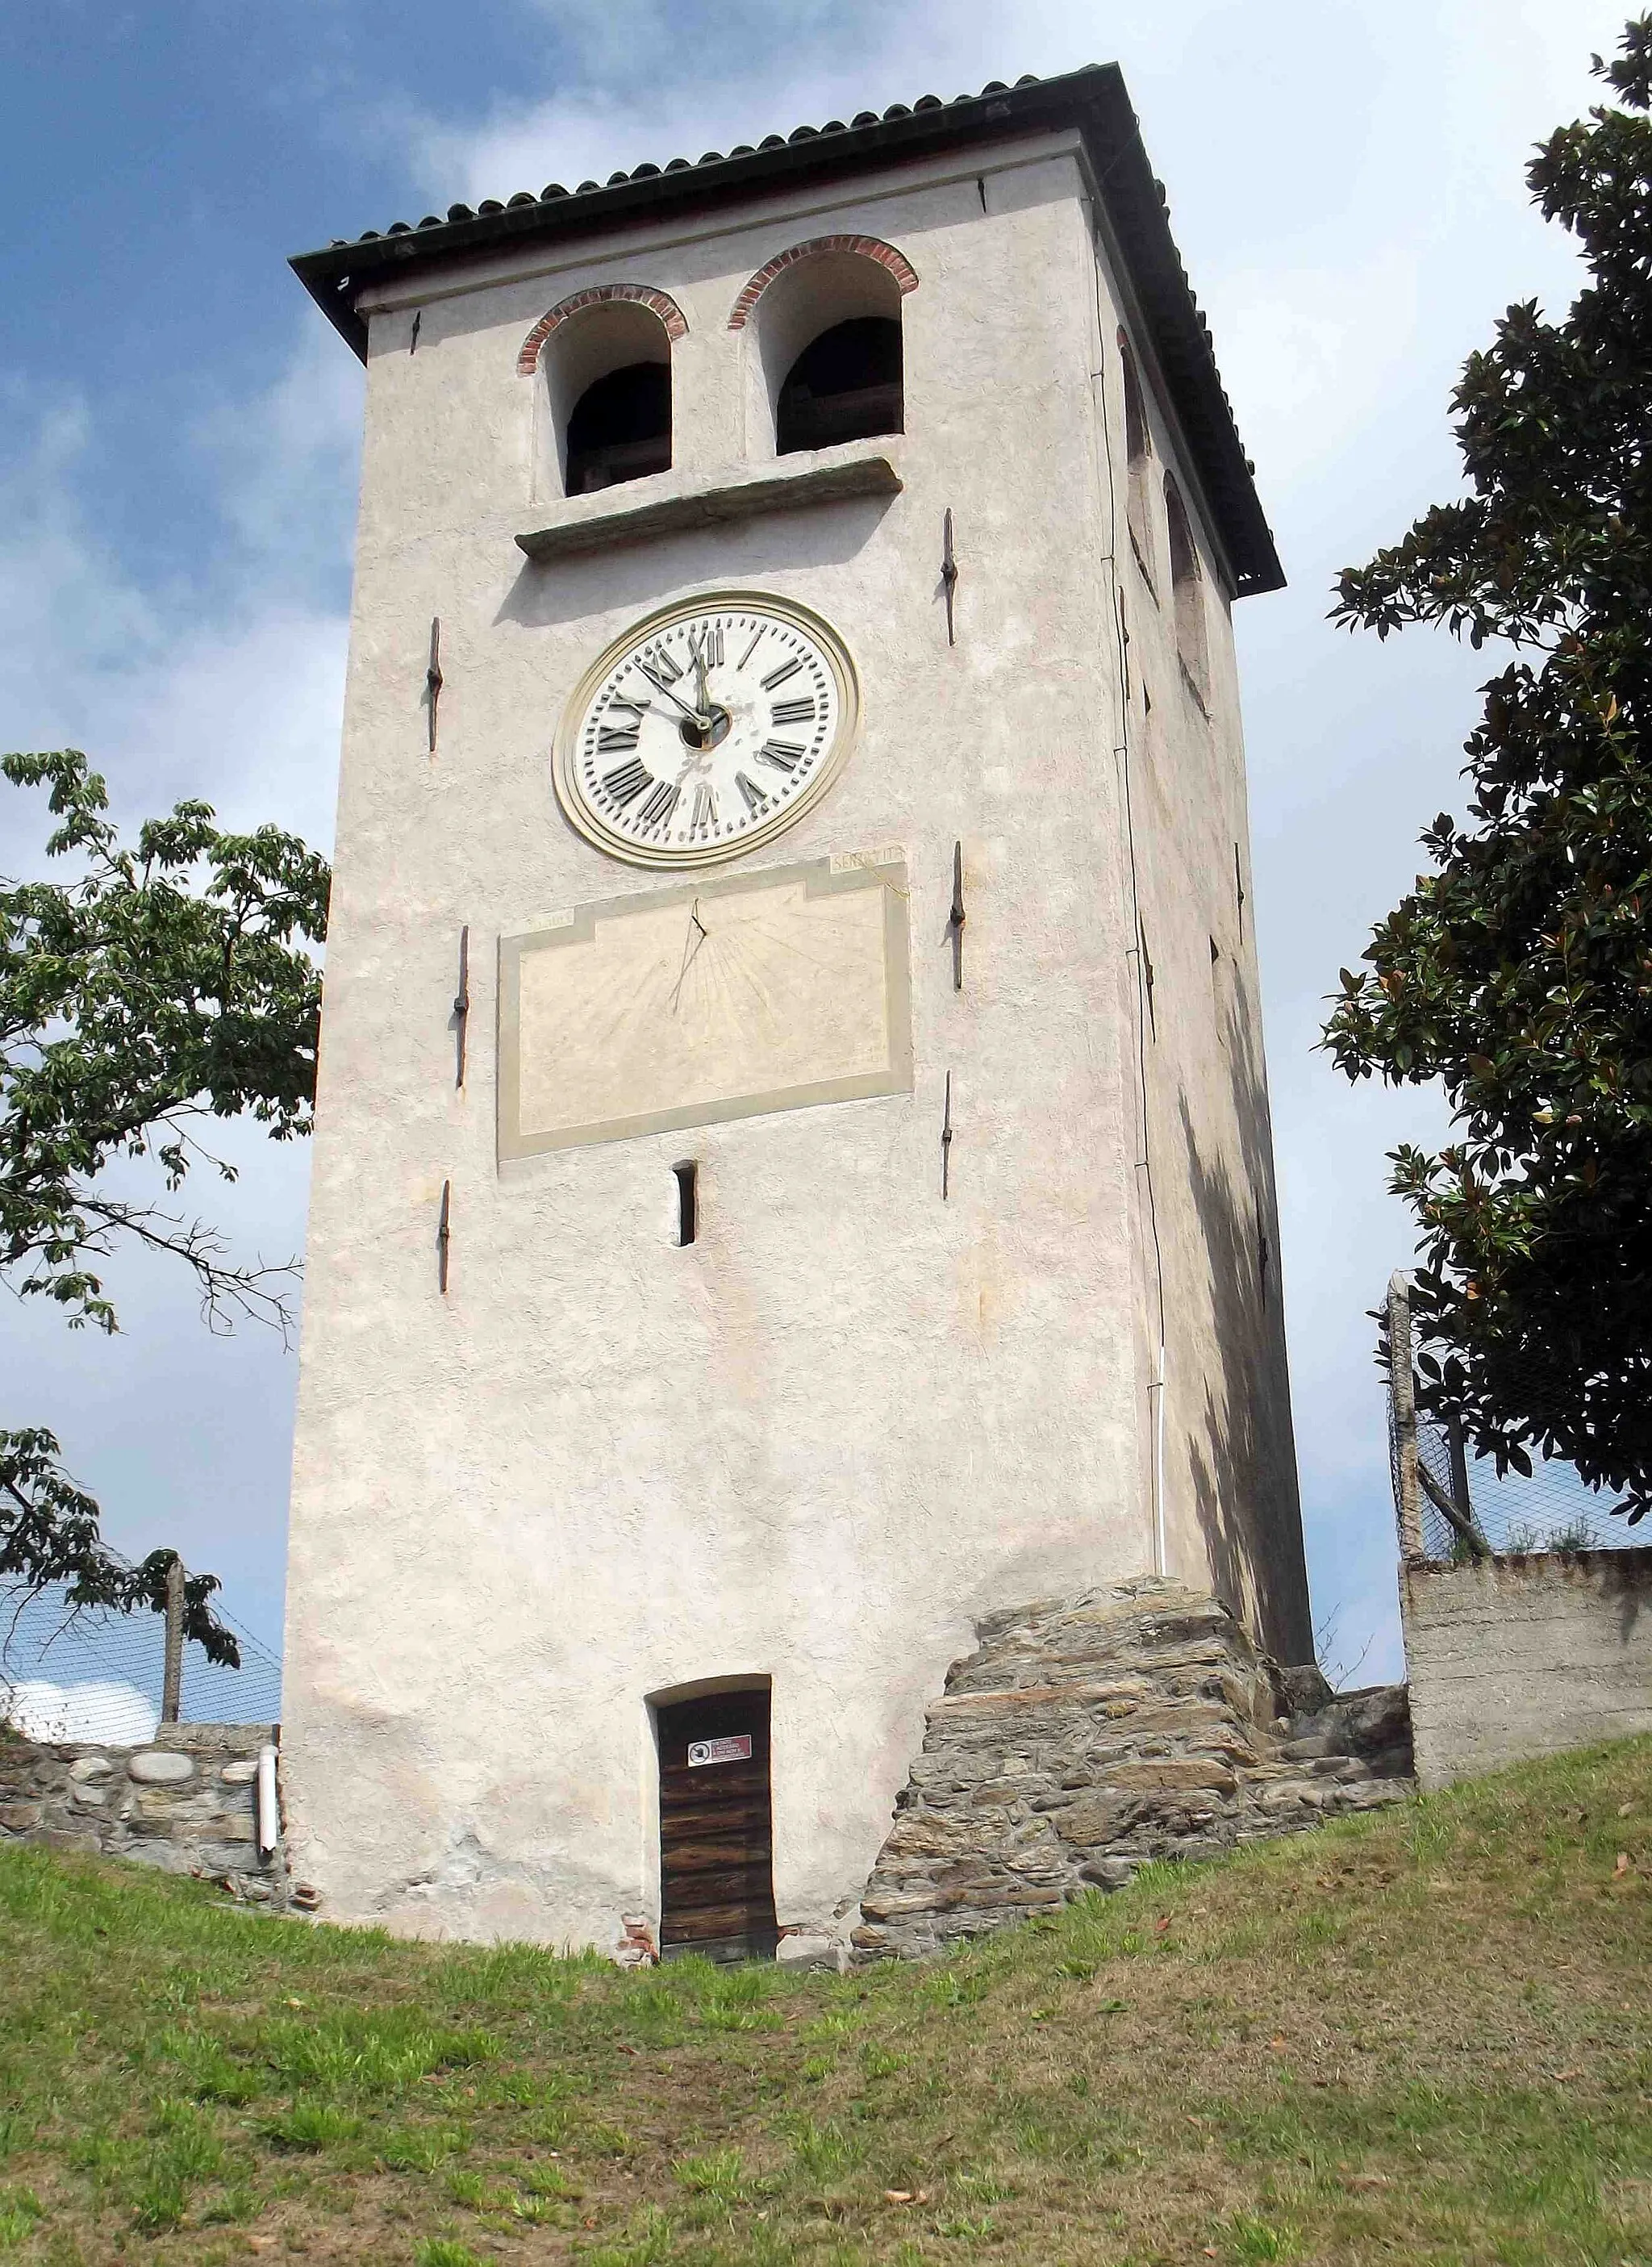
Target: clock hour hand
[[660, 686]]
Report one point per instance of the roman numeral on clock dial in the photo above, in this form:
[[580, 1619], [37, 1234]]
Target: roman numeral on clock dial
[[611, 737], [626, 784], [793, 712], [658, 808]]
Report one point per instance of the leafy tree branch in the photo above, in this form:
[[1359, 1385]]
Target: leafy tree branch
[[49, 1534], [1518, 972], [168, 983]]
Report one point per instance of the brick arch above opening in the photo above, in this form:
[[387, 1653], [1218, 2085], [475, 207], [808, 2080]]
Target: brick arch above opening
[[868, 247], [640, 295]]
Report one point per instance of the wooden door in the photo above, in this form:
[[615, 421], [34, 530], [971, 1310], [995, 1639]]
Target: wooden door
[[716, 1834]]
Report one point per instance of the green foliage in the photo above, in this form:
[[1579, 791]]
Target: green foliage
[[825, 2150], [365, 2054], [1519, 973], [719, 2175], [19, 2210], [1249, 2238], [168, 983], [309, 2124], [420, 2148]]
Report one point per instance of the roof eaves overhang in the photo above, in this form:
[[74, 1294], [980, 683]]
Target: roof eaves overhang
[[1094, 102]]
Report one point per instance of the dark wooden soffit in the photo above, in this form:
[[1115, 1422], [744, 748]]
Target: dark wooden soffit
[[1094, 102]]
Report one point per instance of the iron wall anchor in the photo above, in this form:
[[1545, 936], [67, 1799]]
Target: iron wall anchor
[[443, 1236], [955, 919], [946, 1141], [948, 572], [433, 675], [461, 1004]]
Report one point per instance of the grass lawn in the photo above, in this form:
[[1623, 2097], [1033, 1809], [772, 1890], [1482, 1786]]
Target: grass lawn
[[1421, 2035]]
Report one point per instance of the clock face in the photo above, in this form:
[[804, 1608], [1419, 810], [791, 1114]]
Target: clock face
[[706, 729]]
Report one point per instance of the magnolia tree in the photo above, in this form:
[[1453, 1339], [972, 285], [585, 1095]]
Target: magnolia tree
[[1518, 972], [166, 985]]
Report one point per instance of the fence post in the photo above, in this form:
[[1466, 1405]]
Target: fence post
[[172, 1675], [1456, 1451], [1402, 1390]]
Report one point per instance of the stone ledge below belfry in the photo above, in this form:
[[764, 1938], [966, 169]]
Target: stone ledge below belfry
[[1090, 1735]]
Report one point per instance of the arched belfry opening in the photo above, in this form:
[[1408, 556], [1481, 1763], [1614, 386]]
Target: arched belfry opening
[[606, 370], [830, 349], [620, 428], [845, 385]]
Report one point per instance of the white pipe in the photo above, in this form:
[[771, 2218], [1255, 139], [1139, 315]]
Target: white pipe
[[267, 1809], [1160, 1551]]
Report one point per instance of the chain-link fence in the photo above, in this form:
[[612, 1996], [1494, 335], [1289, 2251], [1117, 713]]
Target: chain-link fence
[[71, 1673], [1434, 1477]]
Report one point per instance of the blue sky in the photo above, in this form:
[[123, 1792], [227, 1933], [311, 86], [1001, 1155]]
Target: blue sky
[[178, 435]]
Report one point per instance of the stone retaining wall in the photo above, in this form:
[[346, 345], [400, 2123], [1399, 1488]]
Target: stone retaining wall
[[1090, 1735], [187, 1803], [1526, 1655], [1084, 1737]]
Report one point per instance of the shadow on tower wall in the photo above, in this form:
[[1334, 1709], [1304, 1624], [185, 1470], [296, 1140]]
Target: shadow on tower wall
[[1240, 1448]]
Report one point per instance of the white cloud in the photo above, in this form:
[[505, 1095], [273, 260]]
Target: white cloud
[[99, 1710], [227, 684]]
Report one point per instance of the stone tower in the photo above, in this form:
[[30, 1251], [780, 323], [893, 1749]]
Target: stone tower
[[793, 1174]]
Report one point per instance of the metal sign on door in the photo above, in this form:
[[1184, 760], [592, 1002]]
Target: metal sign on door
[[736, 1749]]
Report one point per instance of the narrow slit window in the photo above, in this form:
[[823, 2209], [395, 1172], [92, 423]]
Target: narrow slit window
[[1224, 999], [687, 1179], [1138, 451], [1188, 583]]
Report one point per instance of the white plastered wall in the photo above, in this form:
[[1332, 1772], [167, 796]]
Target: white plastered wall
[[850, 1418], [1226, 1485]]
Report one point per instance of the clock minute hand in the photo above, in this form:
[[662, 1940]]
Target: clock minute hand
[[660, 686]]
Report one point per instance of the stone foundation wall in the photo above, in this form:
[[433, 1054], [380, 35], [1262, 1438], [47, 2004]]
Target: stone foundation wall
[[186, 1803], [1091, 1735], [1525, 1656], [1084, 1737]]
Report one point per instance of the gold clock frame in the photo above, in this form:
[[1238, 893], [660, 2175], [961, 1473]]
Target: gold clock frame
[[586, 822]]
